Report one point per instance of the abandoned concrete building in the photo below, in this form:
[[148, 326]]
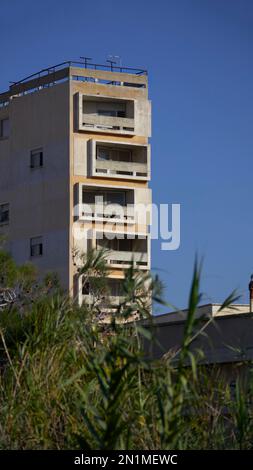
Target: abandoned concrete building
[[71, 134]]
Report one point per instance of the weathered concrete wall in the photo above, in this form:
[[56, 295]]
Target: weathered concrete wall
[[79, 149], [42, 200], [80, 144], [38, 198], [227, 339]]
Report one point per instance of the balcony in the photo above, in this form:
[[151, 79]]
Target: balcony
[[110, 296], [123, 259], [106, 115], [113, 213], [123, 251], [105, 204], [121, 161]]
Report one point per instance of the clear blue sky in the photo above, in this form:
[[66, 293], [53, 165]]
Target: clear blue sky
[[199, 57]]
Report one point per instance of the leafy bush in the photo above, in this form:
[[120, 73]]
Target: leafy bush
[[70, 381]]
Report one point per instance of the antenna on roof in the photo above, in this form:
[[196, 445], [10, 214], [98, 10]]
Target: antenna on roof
[[86, 59], [111, 62], [117, 58]]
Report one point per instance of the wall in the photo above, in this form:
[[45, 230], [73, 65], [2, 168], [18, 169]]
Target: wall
[[78, 144], [39, 198]]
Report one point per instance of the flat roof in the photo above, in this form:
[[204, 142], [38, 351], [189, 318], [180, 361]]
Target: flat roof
[[205, 310], [55, 73], [221, 338]]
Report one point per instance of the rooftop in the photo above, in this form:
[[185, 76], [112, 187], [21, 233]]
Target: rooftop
[[76, 70], [223, 336], [204, 311]]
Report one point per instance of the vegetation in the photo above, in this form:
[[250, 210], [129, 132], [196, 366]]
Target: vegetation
[[68, 381]]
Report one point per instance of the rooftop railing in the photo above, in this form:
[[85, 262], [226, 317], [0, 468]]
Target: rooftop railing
[[73, 63], [60, 72]]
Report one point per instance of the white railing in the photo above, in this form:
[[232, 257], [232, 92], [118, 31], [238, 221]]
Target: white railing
[[113, 167], [108, 300], [109, 122], [107, 211], [124, 258]]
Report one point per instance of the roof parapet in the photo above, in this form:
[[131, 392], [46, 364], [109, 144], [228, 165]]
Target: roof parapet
[[74, 70]]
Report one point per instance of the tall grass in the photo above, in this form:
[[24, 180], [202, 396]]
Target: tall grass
[[69, 382]]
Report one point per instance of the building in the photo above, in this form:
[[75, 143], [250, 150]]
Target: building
[[72, 135], [205, 311], [225, 338]]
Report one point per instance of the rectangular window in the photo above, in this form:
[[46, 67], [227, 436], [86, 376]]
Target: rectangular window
[[88, 197], [115, 287], [86, 288], [114, 154], [125, 155], [36, 160], [112, 113], [125, 244], [109, 197], [121, 114], [4, 128], [116, 244], [103, 154], [116, 198], [105, 112], [36, 246], [4, 213]]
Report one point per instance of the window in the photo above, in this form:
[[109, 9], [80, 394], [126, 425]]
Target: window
[[116, 198], [121, 114], [112, 112], [125, 155], [36, 246], [86, 288], [4, 213], [88, 197], [115, 287], [103, 154], [103, 112], [116, 244], [36, 158], [125, 244], [115, 154], [4, 128], [109, 197]]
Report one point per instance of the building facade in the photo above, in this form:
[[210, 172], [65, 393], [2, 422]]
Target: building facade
[[224, 336], [74, 139]]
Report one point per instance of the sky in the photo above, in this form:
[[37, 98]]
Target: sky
[[199, 58]]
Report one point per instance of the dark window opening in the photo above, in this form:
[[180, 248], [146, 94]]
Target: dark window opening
[[86, 288], [36, 158], [4, 128], [114, 154], [36, 246], [109, 197], [4, 213], [111, 113]]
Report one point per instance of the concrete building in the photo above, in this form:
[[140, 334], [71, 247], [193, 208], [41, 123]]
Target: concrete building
[[206, 311], [69, 136], [225, 338]]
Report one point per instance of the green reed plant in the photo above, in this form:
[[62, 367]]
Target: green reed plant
[[70, 381]]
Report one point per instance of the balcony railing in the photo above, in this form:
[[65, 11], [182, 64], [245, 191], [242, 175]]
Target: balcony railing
[[123, 259], [108, 123], [107, 212], [108, 301], [111, 167], [118, 160]]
